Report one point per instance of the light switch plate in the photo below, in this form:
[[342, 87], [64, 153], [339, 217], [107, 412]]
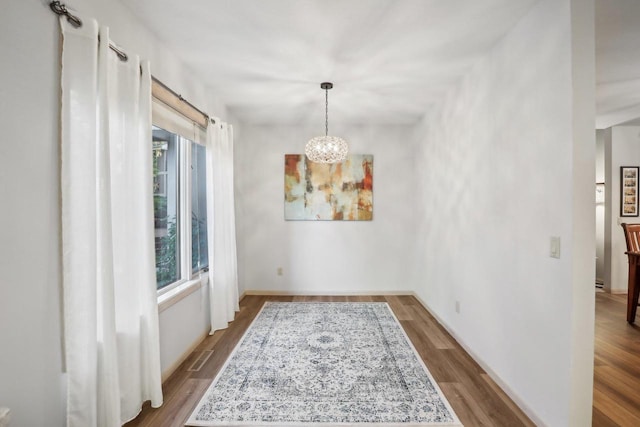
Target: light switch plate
[[554, 247]]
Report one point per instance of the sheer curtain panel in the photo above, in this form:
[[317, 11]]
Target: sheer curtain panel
[[110, 302], [221, 225]]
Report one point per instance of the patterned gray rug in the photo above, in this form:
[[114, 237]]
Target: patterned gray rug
[[321, 364]]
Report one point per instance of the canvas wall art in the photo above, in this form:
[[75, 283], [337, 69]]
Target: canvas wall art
[[331, 192]]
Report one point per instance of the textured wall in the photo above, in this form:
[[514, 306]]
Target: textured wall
[[502, 174], [324, 256]]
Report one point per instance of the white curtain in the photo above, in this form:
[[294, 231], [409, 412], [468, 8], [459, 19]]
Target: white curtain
[[110, 302], [221, 225]]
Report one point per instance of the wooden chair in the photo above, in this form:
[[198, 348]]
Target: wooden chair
[[632, 237]]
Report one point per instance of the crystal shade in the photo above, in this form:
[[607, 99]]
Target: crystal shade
[[326, 149]]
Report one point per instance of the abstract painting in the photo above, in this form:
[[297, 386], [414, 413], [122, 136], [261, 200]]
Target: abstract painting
[[332, 192]]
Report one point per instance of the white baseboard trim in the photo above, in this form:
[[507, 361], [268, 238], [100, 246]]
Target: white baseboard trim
[[324, 293], [175, 365], [495, 377]]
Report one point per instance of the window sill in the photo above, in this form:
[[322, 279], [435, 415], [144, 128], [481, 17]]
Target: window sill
[[180, 292]]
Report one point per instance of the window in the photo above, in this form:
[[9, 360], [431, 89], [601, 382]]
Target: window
[[199, 249], [166, 206], [180, 208]]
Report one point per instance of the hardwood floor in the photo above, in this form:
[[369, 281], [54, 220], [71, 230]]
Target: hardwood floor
[[474, 396], [616, 374]]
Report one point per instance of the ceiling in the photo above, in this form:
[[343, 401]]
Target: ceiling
[[617, 62], [390, 60]]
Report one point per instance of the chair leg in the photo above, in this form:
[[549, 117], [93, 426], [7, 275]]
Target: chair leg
[[633, 292]]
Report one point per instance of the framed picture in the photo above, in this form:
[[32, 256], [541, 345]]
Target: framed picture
[[629, 191], [330, 192]]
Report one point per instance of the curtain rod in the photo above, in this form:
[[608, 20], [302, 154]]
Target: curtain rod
[[61, 9], [179, 97]]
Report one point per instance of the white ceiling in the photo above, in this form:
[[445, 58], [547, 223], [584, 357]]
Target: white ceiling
[[617, 61], [390, 60]]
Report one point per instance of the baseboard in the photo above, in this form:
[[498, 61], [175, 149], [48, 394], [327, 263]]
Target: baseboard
[[495, 377], [618, 291], [175, 365], [324, 293]]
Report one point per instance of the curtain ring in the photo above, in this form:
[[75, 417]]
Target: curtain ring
[[61, 9]]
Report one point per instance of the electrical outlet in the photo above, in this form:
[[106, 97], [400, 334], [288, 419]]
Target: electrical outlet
[[279, 271], [458, 307], [554, 247]]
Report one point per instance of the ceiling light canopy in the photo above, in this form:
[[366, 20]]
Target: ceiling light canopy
[[326, 149]]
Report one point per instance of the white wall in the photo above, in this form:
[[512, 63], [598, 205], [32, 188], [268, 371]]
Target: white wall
[[331, 257], [600, 177], [182, 326], [608, 199], [30, 284], [31, 382], [622, 144], [505, 166]]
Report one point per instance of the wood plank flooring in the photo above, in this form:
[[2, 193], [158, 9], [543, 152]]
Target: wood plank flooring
[[474, 396], [616, 373]]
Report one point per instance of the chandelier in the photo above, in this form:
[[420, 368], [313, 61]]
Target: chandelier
[[326, 149]]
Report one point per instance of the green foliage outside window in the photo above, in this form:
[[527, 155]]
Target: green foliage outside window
[[167, 255]]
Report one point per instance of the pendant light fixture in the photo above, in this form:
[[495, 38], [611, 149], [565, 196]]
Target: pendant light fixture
[[326, 149]]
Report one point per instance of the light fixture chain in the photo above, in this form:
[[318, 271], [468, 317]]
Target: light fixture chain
[[326, 112]]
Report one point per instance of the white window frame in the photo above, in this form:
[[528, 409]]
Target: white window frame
[[187, 131]]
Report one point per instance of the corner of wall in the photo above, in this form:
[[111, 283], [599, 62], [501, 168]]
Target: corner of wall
[[608, 200], [582, 25]]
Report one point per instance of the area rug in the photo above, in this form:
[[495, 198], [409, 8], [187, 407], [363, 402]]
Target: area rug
[[324, 364]]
